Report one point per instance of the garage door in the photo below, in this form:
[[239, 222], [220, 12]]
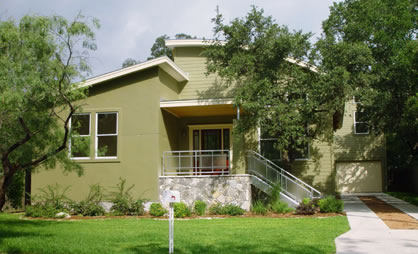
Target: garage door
[[359, 176]]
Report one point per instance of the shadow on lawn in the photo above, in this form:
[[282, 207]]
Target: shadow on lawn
[[15, 228], [230, 249]]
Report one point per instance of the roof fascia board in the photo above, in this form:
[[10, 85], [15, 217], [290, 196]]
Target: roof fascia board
[[191, 103], [164, 62]]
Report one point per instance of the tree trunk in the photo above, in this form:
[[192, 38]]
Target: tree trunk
[[28, 186], [4, 183], [2, 192]]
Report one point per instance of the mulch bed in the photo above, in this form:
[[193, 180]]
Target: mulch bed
[[391, 216], [247, 215]]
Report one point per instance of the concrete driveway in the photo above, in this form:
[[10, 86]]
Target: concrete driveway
[[369, 234]]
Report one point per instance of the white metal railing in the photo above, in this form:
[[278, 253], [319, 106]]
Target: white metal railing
[[272, 174], [196, 162]]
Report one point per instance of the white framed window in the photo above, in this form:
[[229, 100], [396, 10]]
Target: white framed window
[[267, 146], [302, 153], [79, 142], [106, 146], [360, 123]]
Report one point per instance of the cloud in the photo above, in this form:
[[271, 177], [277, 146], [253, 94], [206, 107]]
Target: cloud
[[129, 27]]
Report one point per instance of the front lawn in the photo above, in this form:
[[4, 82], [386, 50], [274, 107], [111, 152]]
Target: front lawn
[[408, 197], [132, 235]]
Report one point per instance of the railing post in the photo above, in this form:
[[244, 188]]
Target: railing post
[[212, 161], [163, 163], [179, 167]]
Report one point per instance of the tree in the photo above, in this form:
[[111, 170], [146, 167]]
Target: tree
[[159, 49], [270, 71], [129, 62], [374, 43], [39, 62]]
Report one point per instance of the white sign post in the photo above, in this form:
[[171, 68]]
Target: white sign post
[[171, 197]]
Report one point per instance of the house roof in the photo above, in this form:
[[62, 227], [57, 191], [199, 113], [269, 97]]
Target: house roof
[[201, 43], [164, 63]]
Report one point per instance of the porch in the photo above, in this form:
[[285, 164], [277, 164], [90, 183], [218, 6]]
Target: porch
[[203, 161]]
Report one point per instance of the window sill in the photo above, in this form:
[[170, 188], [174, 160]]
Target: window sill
[[82, 161], [304, 159]]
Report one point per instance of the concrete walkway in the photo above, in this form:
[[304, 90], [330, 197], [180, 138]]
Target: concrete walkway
[[369, 234]]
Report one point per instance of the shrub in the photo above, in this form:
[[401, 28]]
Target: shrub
[[156, 209], [91, 205], [38, 210], [232, 210], [215, 209], [331, 205], [307, 207], [53, 196], [259, 208], [123, 201], [280, 207], [181, 210], [275, 192], [200, 207]]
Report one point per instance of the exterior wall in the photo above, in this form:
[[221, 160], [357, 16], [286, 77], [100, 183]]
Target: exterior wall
[[318, 169], [136, 98], [351, 147], [200, 85], [223, 190]]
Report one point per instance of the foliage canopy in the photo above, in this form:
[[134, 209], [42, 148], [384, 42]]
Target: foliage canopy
[[40, 59]]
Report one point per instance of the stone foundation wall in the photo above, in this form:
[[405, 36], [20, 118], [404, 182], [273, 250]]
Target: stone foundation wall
[[233, 189]]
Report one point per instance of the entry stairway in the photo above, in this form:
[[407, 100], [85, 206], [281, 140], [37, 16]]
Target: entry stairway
[[265, 174]]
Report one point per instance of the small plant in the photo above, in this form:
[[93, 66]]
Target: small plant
[[38, 210], [306, 201], [259, 208], [331, 205], [307, 207], [275, 192], [215, 209], [91, 205], [123, 201], [280, 207], [200, 207], [156, 209], [181, 210], [232, 210], [53, 196]]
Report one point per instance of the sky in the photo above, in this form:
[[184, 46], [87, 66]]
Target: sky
[[129, 27]]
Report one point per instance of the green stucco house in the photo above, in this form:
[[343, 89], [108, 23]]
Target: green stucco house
[[156, 125]]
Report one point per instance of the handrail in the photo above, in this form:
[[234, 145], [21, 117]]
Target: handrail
[[313, 193], [196, 162]]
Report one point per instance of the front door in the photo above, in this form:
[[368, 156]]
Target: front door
[[211, 139], [211, 148]]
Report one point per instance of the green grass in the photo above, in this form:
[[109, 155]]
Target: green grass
[[408, 197], [232, 235]]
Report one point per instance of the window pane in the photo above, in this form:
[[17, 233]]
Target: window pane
[[107, 146], [106, 123], [268, 150], [80, 124], [226, 139], [196, 140], [80, 147], [361, 117], [301, 153], [362, 128]]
